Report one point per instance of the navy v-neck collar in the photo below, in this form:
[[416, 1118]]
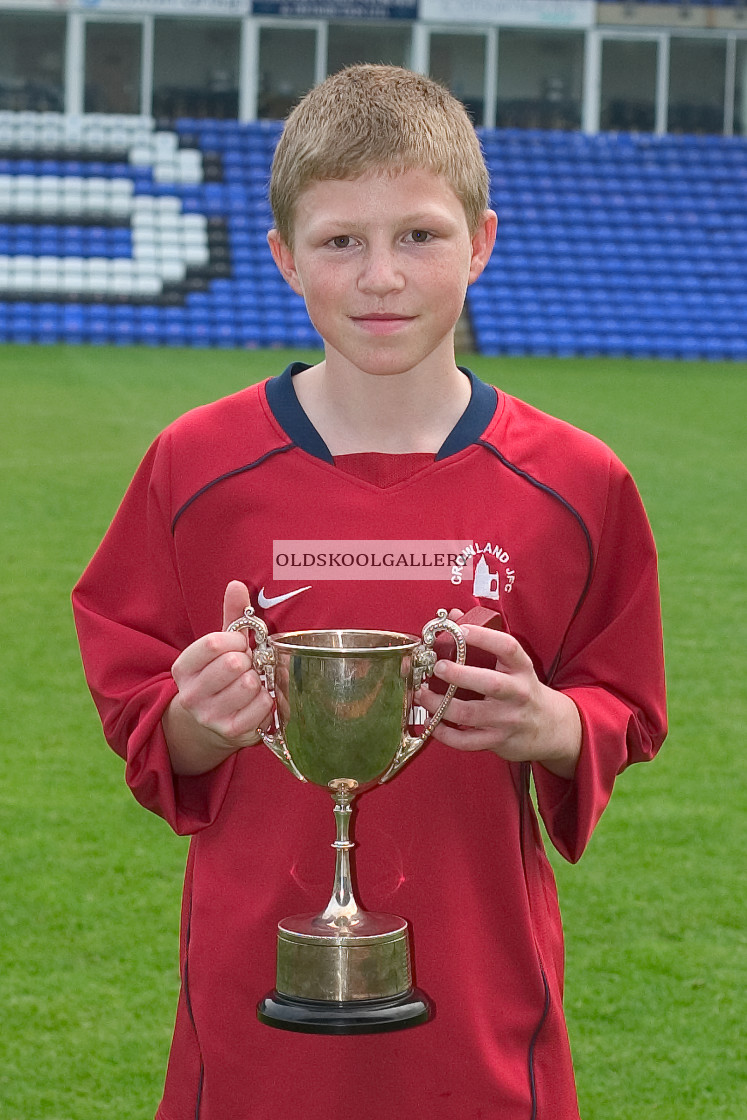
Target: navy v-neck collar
[[282, 399]]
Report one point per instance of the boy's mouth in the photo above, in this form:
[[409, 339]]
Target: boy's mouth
[[381, 321], [382, 315]]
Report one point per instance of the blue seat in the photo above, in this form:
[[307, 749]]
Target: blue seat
[[174, 334], [148, 331]]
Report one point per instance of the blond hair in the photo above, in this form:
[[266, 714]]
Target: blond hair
[[368, 117]]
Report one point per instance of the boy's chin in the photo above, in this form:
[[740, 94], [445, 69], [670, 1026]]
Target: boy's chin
[[384, 362]]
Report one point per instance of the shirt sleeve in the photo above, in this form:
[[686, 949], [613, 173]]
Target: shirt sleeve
[[132, 623], [612, 667]]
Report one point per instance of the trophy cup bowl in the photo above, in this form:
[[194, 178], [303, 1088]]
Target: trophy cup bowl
[[342, 703]]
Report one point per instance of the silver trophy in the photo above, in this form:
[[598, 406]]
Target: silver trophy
[[343, 699]]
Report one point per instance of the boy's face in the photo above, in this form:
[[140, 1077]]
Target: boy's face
[[383, 263]]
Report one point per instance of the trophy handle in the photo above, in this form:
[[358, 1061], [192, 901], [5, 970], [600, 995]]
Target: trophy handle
[[263, 658], [424, 662]]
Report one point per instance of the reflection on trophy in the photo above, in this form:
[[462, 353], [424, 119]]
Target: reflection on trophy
[[343, 699]]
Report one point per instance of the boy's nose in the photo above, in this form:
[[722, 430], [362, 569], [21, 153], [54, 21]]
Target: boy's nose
[[380, 273]]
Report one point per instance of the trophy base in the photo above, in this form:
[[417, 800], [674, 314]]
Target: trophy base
[[365, 1016]]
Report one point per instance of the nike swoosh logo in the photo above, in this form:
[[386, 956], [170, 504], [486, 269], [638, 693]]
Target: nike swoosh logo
[[273, 600]]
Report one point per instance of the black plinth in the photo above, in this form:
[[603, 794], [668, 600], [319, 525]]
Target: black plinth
[[361, 1016]]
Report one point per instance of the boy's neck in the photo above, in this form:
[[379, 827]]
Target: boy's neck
[[397, 414]]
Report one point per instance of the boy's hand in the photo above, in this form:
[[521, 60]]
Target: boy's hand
[[221, 701], [519, 718]]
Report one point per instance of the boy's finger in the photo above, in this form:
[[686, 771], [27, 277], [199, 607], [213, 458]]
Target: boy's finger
[[484, 682], [504, 647], [235, 600], [206, 650]]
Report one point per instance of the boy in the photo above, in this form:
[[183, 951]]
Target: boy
[[380, 194]]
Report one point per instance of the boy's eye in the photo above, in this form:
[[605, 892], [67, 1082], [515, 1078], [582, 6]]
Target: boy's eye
[[420, 236], [341, 242]]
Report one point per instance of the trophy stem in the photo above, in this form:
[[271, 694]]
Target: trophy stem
[[342, 909]]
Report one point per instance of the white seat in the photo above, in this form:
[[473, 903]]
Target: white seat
[[196, 254], [192, 236], [94, 138], [169, 235], [165, 143], [189, 175], [122, 285], [48, 281], [144, 251], [169, 224], [74, 130], [168, 204], [189, 167], [143, 234], [170, 257], [164, 171], [141, 155], [71, 205], [97, 267], [21, 281], [121, 266], [173, 271], [97, 201], [37, 284], [189, 157], [26, 139], [144, 225], [22, 203], [48, 266], [147, 285], [50, 139], [144, 266], [140, 138], [72, 282], [121, 188], [48, 203], [120, 206], [91, 283], [97, 204], [144, 204], [169, 228], [23, 262], [118, 138], [96, 184]]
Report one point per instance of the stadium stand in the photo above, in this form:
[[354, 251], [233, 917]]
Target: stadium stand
[[619, 244], [114, 230]]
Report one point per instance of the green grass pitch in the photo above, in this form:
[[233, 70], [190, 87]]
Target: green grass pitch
[[90, 883]]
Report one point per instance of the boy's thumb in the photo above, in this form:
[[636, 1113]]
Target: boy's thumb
[[235, 600]]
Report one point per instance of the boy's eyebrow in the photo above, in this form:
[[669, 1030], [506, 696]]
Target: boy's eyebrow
[[416, 220]]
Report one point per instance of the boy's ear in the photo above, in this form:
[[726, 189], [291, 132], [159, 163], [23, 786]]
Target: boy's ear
[[483, 241], [283, 258]]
